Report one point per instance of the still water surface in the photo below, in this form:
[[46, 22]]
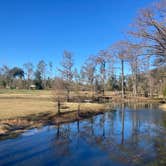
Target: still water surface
[[131, 135]]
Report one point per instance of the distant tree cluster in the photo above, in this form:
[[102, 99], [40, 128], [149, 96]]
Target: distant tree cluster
[[25, 77]]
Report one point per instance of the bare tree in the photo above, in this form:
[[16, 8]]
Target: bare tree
[[5, 74], [77, 90], [28, 67], [150, 29], [41, 67], [120, 50], [88, 72], [133, 54], [50, 75], [66, 70], [50, 64], [148, 76], [59, 93], [134, 69], [102, 59]]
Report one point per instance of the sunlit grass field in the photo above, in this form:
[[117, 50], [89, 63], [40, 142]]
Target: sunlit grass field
[[23, 91], [163, 107], [21, 103]]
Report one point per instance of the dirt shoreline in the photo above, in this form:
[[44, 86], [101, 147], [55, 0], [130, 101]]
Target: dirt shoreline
[[163, 107], [14, 127]]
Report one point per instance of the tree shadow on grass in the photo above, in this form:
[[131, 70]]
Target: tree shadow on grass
[[11, 128]]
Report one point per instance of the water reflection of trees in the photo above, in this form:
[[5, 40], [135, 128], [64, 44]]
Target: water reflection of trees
[[138, 141], [62, 141]]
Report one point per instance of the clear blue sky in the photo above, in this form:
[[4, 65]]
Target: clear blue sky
[[31, 30]]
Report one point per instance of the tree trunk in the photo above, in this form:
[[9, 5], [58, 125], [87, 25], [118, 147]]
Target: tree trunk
[[68, 95], [103, 90], [78, 111], [92, 91], [122, 132], [135, 85], [122, 63], [59, 107]]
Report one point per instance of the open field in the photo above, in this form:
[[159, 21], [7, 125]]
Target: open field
[[48, 94], [14, 108], [8, 93], [19, 114], [20, 103], [33, 94], [24, 109], [44, 93], [24, 91]]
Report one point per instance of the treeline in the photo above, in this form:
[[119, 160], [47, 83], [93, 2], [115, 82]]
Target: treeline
[[25, 77], [142, 55], [96, 75]]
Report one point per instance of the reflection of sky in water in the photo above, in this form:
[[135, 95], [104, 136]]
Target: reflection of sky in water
[[105, 139]]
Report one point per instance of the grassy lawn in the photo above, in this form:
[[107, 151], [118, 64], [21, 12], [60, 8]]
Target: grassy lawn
[[42, 92], [15, 92], [25, 94], [13, 108], [21, 103], [23, 91], [19, 114]]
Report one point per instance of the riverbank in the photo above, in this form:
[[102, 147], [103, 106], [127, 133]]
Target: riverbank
[[15, 125], [22, 110]]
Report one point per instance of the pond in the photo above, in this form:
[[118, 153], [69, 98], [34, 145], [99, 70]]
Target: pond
[[130, 135]]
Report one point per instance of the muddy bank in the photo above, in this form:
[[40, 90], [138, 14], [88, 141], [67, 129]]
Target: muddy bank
[[13, 127]]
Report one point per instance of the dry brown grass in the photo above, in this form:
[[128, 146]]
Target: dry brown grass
[[25, 94], [85, 106], [14, 107], [7, 93], [163, 107], [21, 103], [23, 109]]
